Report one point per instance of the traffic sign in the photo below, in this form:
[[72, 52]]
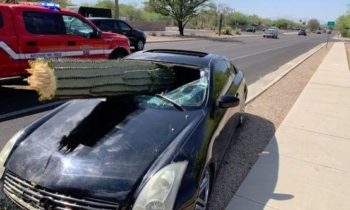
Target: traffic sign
[[331, 24]]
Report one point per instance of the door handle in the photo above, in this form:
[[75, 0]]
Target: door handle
[[32, 43], [71, 43]]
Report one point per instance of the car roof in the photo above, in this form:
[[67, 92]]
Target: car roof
[[182, 57], [37, 7]]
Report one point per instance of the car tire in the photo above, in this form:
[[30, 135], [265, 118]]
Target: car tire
[[204, 190], [118, 54], [140, 45]]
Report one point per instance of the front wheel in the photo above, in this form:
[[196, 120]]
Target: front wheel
[[204, 191], [140, 45], [118, 54]]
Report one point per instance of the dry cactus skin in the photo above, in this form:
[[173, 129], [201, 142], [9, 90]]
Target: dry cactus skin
[[92, 79], [42, 79]]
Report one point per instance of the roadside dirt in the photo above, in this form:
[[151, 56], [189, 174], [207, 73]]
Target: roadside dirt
[[263, 117]]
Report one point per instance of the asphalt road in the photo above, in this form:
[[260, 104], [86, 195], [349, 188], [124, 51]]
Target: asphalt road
[[255, 56]]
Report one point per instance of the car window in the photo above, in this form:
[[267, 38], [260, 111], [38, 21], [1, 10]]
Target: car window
[[106, 25], [43, 23], [123, 26], [222, 78], [76, 26], [1, 21]]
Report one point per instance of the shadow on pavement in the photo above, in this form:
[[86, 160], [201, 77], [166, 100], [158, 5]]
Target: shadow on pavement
[[13, 102], [248, 145]]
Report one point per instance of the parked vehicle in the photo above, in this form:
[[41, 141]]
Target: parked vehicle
[[143, 152], [319, 32], [250, 29], [271, 33], [31, 31], [302, 32], [137, 38]]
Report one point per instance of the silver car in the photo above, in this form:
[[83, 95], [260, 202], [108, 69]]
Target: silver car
[[271, 33]]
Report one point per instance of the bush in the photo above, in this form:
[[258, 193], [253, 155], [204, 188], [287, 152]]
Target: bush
[[238, 32], [227, 31], [343, 25]]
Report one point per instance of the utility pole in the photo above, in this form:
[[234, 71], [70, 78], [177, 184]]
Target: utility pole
[[116, 8], [234, 11], [220, 24]]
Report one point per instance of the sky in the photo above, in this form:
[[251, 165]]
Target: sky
[[324, 10]]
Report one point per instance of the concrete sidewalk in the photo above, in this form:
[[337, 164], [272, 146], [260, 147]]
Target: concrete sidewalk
[[306, 166]]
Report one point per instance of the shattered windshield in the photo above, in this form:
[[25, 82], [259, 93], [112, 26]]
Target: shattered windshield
[[192, 94]]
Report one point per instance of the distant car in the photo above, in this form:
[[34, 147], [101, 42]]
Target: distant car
[[319, 32], [329, 32], [271, 33], [302, 32], [251, 29], [146, 152], [137, 38]]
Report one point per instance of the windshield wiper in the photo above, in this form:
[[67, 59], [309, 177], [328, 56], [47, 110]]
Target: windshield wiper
[[176, 105]]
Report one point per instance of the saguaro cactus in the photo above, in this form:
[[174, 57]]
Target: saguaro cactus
[[89, 79]]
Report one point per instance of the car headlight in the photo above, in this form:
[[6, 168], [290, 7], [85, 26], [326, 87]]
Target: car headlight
[[160, 191], [7, 149]]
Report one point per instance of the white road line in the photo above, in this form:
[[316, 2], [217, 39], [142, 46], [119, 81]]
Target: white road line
[[29, 110], [259, 52]]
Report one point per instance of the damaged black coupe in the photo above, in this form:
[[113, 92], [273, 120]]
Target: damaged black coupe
[[140, 152]]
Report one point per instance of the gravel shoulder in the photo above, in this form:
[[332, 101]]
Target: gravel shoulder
[[263, 116]]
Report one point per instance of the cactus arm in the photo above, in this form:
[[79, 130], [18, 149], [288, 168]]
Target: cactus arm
[[90, 79]]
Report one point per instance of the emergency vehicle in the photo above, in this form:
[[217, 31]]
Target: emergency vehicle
[[32, 31]]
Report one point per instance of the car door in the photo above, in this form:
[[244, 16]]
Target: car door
[[225, 120], [42, 36], [80, 41], [9, 64], [127, 30]]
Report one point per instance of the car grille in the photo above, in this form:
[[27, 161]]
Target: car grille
[[31, 197]]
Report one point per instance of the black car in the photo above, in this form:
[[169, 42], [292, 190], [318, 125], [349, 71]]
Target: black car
[[302, 32], [132, 152], [137, 38], [250, 29]]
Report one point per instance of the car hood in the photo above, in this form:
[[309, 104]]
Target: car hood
[[110, 35], [108, 168]]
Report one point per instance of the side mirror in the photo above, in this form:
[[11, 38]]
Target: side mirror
[[228, 101], [95, 34]]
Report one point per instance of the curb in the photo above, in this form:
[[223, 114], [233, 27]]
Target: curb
[[279, 77]]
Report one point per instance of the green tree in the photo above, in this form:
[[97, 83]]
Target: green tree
[[283, 23], [343, 25], [181, 10], [313, 24], [238, 19]]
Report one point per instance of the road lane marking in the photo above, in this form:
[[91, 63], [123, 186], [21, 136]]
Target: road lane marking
[[259, 52]]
